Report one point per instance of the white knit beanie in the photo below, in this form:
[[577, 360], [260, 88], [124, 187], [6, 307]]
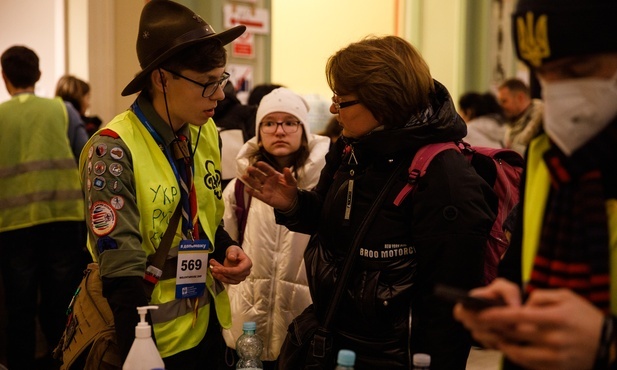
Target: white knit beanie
[[286, 101]]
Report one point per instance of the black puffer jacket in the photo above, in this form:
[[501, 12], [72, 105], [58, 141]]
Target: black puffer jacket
[[437, 235]]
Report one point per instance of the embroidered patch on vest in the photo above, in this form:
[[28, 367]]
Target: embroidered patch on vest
[[102, 218], [106, 243]]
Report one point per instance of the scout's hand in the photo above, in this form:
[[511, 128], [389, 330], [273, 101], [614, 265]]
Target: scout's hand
[[235, 268]]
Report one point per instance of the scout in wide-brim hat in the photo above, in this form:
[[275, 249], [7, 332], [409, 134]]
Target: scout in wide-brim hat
[[165, 28]]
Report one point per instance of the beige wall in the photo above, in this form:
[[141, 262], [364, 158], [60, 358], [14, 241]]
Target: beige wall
[[113, 63], [440, 36], [306, 33], [38, 25]]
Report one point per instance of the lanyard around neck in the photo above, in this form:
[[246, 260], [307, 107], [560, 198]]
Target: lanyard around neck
[[168, 154]]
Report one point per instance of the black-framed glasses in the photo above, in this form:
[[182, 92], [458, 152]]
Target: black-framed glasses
[[210, 87], [340, 105], [270, 127]]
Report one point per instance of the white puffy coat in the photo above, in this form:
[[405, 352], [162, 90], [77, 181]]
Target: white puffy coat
[[276, 291]]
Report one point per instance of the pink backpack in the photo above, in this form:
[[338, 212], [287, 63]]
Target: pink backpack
[[500, 168]]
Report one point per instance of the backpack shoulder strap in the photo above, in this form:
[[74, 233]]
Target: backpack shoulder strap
[[419, 164], [243, 202]]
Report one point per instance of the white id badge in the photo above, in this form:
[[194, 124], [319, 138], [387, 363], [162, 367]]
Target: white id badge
[[192, 268]]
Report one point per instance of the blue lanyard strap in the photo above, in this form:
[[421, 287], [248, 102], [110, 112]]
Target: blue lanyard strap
[[186, 222]]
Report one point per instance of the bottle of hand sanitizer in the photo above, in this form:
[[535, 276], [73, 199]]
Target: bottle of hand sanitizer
[[143, 354]]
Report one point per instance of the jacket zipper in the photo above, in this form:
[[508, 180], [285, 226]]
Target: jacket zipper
[[352, 161]]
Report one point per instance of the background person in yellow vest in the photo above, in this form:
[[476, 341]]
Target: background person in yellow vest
[[134, 172], [564, 246], [42, 230]]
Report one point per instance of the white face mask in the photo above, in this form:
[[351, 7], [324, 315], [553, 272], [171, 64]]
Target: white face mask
[[575, 110]]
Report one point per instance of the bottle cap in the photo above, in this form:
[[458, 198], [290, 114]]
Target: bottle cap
[[249, 326], [421, 359], [346, 357]]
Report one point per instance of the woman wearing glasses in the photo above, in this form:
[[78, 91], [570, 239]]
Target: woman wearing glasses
[[277, 290], [389, 106]]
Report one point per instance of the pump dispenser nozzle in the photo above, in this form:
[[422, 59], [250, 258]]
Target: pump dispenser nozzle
[[143, 329], [143, 354]]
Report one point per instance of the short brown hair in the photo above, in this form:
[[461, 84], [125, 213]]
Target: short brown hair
[[388, 75], [20, 66], [514, 84]]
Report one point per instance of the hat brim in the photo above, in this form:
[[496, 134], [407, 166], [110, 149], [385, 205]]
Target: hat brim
[[138, 82]]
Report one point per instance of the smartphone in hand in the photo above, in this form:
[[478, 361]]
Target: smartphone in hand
[[456, 295]]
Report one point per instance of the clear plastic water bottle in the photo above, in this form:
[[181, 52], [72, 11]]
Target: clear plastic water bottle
[[421, 361], [249, 347], [346, 360]]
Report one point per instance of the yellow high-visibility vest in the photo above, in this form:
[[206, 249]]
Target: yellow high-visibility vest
[[39, 179]]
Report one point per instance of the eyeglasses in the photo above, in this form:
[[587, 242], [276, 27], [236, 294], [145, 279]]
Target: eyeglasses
[[340, 105], [209, 88], [270, 127]]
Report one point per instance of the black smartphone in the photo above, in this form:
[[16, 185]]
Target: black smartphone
[[456, 295]]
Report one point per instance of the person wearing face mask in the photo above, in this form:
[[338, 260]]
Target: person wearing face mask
[[277, 289], [560, 306]]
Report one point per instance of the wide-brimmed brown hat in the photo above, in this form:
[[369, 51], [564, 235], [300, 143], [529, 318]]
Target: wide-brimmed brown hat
[[165, 28]]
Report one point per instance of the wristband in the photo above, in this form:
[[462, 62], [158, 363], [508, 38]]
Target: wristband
[[152, 275]]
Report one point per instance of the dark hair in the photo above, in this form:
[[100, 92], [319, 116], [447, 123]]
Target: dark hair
[[299, 156], [388, 75], [514, 84], [72, 90], [260, 91], [21, 66], [333, 129], [201, 57], [480, 104]]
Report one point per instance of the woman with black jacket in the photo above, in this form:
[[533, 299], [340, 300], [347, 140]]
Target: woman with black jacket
[[389, 106]]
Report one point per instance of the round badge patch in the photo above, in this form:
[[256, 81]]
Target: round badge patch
[[101, 149], [115, 169], [117, 202], [90, 151], [102, 218], [99, 168], [116, 153], [99, 183], [115, 186]]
